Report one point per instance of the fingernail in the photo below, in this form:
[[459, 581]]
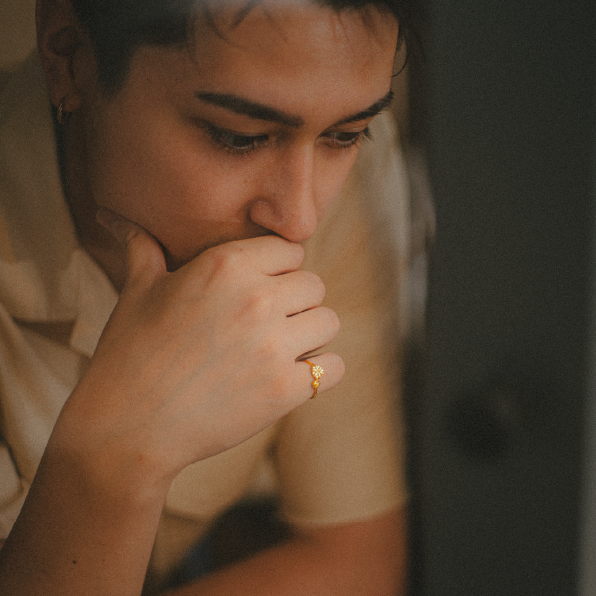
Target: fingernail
[[109, 220]]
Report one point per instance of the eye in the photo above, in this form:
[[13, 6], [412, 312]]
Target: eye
[[233, 142], [346, 140]]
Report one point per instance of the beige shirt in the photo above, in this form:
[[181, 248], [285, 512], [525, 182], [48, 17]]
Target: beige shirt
[[336, 458]]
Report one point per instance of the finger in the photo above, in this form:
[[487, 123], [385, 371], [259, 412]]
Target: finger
[[272, 255], [312, 329], [298, 291], [144, 256], [318, 374]]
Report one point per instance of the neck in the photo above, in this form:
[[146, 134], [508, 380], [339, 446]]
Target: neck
[[74, 170]]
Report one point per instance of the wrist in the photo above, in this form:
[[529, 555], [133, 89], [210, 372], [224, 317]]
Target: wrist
[[99, 461]]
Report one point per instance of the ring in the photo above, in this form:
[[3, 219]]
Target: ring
[[316, 370]]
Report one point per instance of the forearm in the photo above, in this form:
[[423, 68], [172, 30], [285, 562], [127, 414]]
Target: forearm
[[364, 558], [74, 537], [287, 570]]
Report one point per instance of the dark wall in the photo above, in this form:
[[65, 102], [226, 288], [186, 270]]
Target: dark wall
[[511, 138]]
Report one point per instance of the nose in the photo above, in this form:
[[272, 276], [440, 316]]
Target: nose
[[285, 201]]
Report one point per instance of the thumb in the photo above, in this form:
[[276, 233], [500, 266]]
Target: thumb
[[144, 255]]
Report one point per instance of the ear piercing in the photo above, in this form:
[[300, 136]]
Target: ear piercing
[[62, 115]]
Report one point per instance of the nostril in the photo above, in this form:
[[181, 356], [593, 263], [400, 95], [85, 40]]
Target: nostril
[[294, 220]]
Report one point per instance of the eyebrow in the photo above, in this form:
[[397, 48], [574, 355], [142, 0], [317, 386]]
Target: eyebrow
[[259, 111], [370, 112]]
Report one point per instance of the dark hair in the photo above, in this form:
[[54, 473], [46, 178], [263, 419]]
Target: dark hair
[[118, 27]]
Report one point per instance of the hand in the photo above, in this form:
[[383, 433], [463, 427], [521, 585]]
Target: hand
[[194, 362]]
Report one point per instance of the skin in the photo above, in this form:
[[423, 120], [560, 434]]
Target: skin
[[209, 167]]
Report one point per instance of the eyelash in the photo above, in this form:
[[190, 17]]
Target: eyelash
[[237, 144], [347, 140], [233, 143]]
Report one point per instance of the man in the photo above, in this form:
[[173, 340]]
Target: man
[[208, 159]]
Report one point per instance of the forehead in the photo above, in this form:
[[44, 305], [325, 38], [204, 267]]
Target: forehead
[[279, 52]]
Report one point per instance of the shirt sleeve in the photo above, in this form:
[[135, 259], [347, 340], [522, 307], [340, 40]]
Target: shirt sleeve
[[341, 457]]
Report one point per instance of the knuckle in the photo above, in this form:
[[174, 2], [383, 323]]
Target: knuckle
[[272, 349], [226, 257], [258, 305], [287, 245], [223, 257], [226, 266], [299, 250], [317, 284], [332, 319]]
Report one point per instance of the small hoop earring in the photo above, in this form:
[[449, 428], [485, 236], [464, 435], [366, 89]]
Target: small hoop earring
[[61, 115]]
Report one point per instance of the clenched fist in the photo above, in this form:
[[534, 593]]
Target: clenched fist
[[193, 362]]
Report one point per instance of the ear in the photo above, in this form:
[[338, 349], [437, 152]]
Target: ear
[[60, 42]]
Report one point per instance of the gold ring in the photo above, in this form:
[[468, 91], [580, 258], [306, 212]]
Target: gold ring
[[316, 370]]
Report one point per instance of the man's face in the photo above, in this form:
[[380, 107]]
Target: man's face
[[251, 130]]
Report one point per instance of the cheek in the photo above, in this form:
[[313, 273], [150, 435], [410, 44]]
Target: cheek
[[159, 177], [331, 174]]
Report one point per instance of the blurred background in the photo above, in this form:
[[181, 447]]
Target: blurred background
[[497, 115], [17, 31]]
